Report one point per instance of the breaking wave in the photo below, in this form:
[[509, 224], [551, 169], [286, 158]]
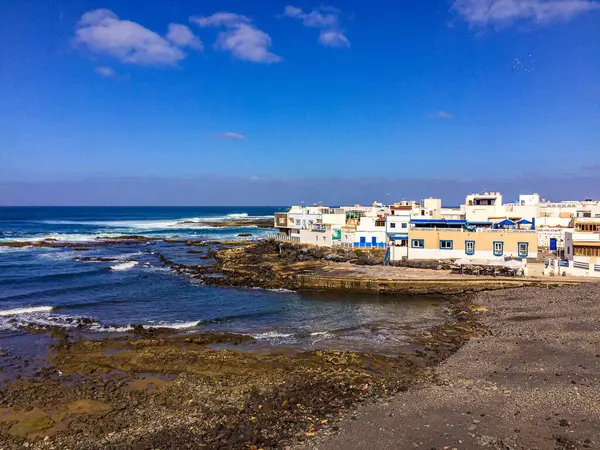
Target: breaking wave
[[27, 310]]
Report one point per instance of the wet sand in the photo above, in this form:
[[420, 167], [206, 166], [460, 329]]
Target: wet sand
[[533, 382]]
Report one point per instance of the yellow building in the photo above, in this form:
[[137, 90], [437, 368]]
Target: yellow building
[[455, 240]]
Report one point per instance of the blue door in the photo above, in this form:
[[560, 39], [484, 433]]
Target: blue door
[[363, 241], [374, 241], [553, 244]]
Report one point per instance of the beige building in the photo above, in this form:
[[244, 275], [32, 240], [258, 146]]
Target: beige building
[[482, 244]]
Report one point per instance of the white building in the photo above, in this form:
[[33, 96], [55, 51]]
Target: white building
[[484, 207], [396, 227]]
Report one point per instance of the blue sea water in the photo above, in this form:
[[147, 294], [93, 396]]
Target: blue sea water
[[47, 286]]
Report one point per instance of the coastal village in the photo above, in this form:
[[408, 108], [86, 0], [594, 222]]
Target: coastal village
[[483, 231]]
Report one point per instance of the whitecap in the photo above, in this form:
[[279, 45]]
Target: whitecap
[[124, 266]]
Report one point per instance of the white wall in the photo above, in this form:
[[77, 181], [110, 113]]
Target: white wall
[[554, 269], [397, 253], [545, 234], [426, 253], [398, 221], [334, 219], [320, 238]]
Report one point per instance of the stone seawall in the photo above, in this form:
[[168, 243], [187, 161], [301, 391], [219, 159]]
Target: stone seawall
[[413, 287]]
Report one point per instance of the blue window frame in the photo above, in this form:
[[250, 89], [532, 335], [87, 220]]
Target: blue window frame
[[523, 248], [446, 245], [470, 247], [498, 248], [417, 243], [403, 224]]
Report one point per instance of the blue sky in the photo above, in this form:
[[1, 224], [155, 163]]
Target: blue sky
[[483, 90]]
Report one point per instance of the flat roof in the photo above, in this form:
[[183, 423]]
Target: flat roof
[[438, 222]]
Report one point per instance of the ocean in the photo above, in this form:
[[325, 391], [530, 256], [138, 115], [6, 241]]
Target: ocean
[[49, 286]]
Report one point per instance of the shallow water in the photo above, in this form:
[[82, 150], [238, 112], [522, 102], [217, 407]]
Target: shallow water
[[47, 287]]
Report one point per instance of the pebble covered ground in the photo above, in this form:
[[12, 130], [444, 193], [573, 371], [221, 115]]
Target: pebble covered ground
[[533, 382]]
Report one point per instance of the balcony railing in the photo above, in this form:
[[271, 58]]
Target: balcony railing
[[283, 238], [478, 230]]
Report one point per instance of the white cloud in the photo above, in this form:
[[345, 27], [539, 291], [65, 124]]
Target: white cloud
[[441, 115], [327, 18], [230, 135], [106, 71], [102, 31], [482, 13], [241, 38], [220, 19], [181, 35], [333, 38], [248, 43]]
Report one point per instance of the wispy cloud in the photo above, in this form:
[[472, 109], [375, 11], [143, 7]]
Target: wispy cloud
[[220, 19], [105, 71], [230, 135], [102, 31], [244, 40], [483, 13], [440, 115], [326, 18]]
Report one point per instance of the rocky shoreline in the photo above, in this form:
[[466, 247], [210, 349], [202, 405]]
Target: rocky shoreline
[[160, 388], [271, 264], [127, 392]]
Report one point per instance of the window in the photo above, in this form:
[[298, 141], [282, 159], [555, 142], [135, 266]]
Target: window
[[498, 248], [418, 243], [392, 225], [523, 249], [446, 245], [470, 247], [403, 224]]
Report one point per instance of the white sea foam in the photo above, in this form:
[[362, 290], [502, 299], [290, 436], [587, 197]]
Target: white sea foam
[[17, 249], [124, 265], [27, 310], [281, 290], [182, 223], [271, 335], [177, 326], [63, 237], [320, 333], [110, 329]]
